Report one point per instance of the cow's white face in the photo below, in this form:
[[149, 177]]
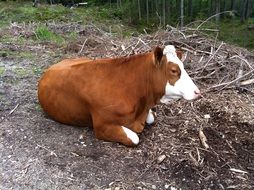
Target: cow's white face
[[184, 87]]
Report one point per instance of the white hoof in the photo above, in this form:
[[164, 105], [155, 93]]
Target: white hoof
[[131, 135], [150, 117]]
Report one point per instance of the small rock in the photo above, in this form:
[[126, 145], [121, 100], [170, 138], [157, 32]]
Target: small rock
[[111, 183], [172, 130], [166, 186], [139, 151], [81, 137], [153, 186], [117, 188], [207, 116], [173, 188], [161, 158]]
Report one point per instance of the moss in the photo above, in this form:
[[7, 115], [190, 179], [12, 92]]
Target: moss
[[37, 70], [26, 54], [21, 71], [2, 70]]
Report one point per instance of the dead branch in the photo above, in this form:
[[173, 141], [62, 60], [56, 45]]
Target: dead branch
[[82, 47], [224, 85], [51, 152], [203, 139], [211, 18], [247, 82]]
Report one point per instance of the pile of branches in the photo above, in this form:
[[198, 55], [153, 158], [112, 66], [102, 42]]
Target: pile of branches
[[210, 62]]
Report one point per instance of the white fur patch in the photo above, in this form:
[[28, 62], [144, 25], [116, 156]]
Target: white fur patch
[[184, 86], [131, 135], [171, 55], [150, 117]]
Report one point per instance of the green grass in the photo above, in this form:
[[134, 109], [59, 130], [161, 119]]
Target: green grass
[[7, 53], [24, 12], [44, 34], [2, 70], [13, 11], [37, 70], [232, 31], [236, 32], [20, 71], [18, 54], [26, 54], [72, 36]]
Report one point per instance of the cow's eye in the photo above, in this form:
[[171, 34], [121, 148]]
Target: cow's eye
[[174, 71]]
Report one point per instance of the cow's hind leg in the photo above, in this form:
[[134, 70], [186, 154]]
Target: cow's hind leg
[[116, 133]]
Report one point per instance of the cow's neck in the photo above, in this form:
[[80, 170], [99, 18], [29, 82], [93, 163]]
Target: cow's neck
[[141, 67], [152, 79], [157, 83]]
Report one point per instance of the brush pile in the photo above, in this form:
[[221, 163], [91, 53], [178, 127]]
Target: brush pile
[[212, 63]]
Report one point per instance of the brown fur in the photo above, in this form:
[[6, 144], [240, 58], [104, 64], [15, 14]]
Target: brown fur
[[109, 93]]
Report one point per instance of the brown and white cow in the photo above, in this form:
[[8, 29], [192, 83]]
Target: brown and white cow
[[114, 95]]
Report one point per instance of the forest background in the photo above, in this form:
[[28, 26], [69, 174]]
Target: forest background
[[228, 20]]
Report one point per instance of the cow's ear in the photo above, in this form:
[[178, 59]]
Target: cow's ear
[[158, 54], [179, 54]]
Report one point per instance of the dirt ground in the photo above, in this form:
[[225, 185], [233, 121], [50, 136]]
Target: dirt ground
[[38, 153]]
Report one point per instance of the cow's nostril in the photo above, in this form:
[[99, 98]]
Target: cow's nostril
[[197, 92]]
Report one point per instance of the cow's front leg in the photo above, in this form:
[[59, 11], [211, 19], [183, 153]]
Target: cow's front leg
[[115, 133], [151, 116], [137, 126]]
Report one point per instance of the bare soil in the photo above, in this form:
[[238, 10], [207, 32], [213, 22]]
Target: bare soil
[[39, 153]]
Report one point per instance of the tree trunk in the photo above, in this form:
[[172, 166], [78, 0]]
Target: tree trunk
[[232, 8], [244, 13], [217, 11], [131, 11], [182, 5], [223, 8], [169, 6], [139, 10], [232, 5], [147, 11], [211, 9], [164, 13], [178, 8], [190, 9]]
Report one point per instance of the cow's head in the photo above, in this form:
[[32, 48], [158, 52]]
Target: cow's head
[[179, 84]]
